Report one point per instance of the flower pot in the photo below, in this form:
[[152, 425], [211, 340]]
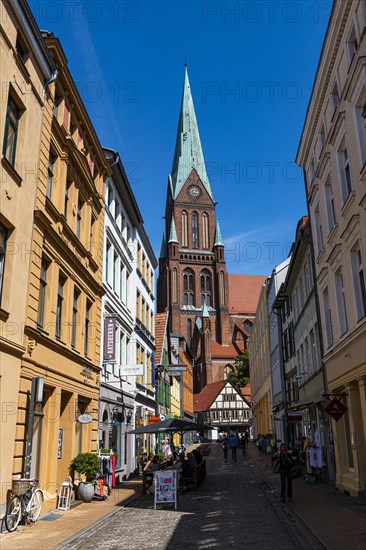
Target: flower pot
[[85, 491]]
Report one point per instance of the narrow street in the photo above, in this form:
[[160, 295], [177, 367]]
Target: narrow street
[[235, 506]]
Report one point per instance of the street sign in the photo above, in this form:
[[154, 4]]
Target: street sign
[[85, 418], [176, 370], [162, 417], [336, 409]]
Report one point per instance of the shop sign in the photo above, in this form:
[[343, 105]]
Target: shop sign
[[176, 370], [165, 487], [60, 441], [132, 370], [85, 418], [294, 416], [110, 339], [162, 417], [153, 419], [336, 409]]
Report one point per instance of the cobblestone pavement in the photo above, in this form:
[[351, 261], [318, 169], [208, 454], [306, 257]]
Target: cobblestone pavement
[[235, 506]]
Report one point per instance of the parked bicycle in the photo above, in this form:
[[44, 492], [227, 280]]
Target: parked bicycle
[[25, 503]]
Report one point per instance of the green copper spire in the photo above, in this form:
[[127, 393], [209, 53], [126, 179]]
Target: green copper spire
[[173, 233], [218, 238], [205, 313], [188, 150], [163, 247]]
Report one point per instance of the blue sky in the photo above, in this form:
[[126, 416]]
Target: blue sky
[[251, 68]]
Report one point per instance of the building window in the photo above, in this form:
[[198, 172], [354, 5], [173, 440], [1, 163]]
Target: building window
[[352, 45], [115, 271], [189, 332], [75, 316], [189, 287], [175, 285], [60, 299], [50, 174], [117, 210], [184, 229], [3, 238], [206, 287], [361, 125], [328, 319], [11, 130], [344, 166], [341, 302], [107, 254], [42, 292], [57, 103], [358, 281], [227, 370], [78, 217], [335, 97], [321, 140], [329, 199], [67, 195], [205, 233], [195, 239], [222, 288], [87, 327], [109, 196], [318, 228]]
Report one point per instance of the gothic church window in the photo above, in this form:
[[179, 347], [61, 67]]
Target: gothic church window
[[189, 332], [206, 287], [188, 288], [175, 285], [222, 288], [184, 229], [195, 239], [205, 234]]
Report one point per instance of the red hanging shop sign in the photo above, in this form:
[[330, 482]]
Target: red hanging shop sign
[[336, 409]]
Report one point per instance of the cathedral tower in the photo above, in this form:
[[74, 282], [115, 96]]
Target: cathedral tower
[[192, 276]]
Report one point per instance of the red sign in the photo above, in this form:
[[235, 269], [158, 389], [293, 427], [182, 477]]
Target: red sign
[[336, 409]]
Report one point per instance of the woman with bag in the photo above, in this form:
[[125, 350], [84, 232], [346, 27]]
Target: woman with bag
[[285, 466]]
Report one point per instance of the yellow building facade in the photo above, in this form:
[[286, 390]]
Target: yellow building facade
[[260, 368], [26, 67], [63, 315]]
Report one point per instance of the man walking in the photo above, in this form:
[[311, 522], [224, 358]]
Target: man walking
[[233, 444]]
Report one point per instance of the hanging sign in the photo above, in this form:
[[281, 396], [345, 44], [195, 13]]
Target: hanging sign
[[336, 409], [132, 370], [294, 416], [165, 487], [110, 339], [176, 370], [85, 418], [60, 441]]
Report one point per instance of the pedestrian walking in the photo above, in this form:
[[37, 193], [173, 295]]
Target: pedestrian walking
[[259, 444], [233, 443], [286, 464], [243, 445], [225, 448]]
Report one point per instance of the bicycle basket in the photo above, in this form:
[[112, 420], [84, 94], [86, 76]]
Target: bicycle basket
[[20, 486]]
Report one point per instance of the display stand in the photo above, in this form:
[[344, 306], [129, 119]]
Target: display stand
[[165, 487]]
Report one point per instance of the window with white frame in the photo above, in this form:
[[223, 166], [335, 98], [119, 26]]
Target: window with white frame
[[345, 173], [328, 319], [335, 97], [341, 302], [352, 45], [358, 280], [3, 238], [318, 229], [360, 112], [329, 200]]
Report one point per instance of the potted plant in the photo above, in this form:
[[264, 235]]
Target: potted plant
[[89, 465]]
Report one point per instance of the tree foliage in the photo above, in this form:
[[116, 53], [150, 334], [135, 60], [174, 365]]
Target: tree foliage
[[240, 377]]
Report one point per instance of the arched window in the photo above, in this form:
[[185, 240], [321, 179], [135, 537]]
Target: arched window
[[189, 332], [227, 370], [195, 240], [184, 229], [205, 234], [222, 288], [175, 285], [206, 287], [188, 287], [247, 326]]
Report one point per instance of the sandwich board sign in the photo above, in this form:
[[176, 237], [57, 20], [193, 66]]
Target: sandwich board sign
[[165, 487]]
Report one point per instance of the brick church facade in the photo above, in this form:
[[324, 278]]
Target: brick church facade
[[193, 283]]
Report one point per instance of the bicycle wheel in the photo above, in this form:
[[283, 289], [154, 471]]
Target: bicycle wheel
[[35, 506], [13, 513]]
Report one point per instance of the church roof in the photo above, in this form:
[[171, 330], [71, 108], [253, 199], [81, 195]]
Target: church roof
[[244, 293], [163, 247], [223, 352], [218, 238], [247, 392], [202, 401], [205, 313], [188, 152], [173, 233]]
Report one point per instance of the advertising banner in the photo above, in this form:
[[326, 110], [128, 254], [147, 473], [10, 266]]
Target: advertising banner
[[110, 339]]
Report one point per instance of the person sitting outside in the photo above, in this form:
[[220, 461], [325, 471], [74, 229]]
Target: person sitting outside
[[152, 466], [197, 455], [192, 461]]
